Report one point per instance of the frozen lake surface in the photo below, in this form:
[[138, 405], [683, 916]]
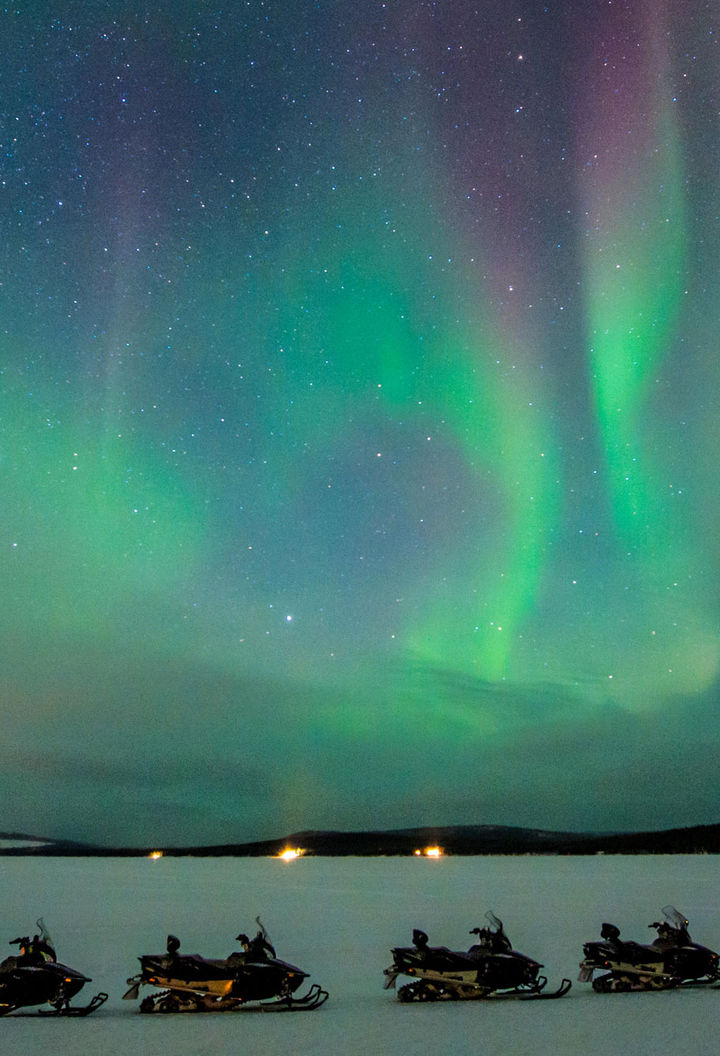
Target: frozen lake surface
[[337, 918]]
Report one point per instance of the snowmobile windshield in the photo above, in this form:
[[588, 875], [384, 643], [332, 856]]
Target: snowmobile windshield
[[43, 942], [494, 921], [674, 918], [44, 933]]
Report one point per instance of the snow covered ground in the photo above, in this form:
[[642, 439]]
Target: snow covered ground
[[6, 843], [337, 918]]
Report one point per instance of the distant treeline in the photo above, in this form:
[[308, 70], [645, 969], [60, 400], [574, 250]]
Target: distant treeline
[[453, 840]]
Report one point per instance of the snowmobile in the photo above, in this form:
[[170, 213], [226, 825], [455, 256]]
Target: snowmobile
[[671, 960], [36, 977], [252, 979], [491, 968]]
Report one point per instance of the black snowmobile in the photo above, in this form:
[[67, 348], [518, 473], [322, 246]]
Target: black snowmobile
[[35, 977], [490, 968], [671, 960], [254, 978]]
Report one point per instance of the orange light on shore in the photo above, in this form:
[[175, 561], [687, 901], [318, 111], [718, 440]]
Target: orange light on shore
[[430, 852], [290, 854], [155, 855]]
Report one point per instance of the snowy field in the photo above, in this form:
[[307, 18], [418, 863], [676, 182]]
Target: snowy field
[[337, 919], [7, 844]]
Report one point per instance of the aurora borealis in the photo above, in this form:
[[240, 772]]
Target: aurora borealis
[[359, 416]]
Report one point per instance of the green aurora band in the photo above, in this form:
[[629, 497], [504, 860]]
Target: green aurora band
[[359, 415]]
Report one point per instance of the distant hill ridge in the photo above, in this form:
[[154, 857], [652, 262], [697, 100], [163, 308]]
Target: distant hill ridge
[[453, 839], [39, 842]]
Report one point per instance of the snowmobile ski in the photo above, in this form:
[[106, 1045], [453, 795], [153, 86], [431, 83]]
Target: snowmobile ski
[[65, 1010], [76, 1010], [540, 995], [315, 997]]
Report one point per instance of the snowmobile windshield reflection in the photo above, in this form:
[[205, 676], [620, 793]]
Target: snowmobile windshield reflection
[[251, 977]]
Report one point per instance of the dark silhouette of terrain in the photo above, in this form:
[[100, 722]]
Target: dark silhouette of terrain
[[453, 839]]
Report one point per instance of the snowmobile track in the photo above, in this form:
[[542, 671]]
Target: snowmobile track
[[425, 994], [157, 1004]]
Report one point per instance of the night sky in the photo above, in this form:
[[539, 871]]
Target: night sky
[[359, 421]]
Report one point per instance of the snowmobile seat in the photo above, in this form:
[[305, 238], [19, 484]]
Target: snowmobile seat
[[636, 952]]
